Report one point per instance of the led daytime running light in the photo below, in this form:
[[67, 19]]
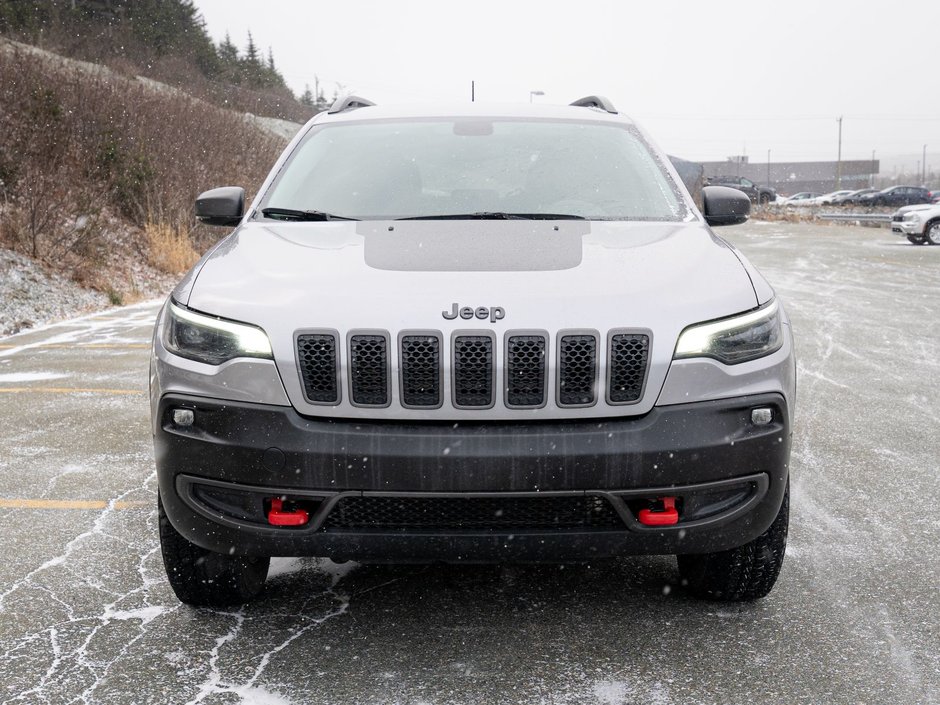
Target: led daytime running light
[[251, 341], [698, 340]]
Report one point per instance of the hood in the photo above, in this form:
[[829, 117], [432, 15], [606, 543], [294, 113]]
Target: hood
[[403, 274], [413, 275], [919, 207]]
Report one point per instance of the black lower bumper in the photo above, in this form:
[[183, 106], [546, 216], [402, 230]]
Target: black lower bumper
[[218, 475]]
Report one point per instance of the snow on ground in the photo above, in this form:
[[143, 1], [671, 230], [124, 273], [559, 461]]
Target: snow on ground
[[30, 296], [29, 376], [281, 128]]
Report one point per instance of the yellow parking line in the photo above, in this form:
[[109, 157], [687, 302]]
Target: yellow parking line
[[67, 390], [68, 504]]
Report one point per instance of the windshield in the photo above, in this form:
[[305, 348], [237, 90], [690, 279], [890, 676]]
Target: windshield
[[394, 169]]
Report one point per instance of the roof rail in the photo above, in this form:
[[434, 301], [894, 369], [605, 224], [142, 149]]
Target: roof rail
[[596, 101], [349, 102]]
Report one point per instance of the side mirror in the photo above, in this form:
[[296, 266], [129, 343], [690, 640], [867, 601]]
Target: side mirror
[[221, 206], [725, 206]]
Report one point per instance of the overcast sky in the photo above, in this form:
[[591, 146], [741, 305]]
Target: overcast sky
[[706, 79]]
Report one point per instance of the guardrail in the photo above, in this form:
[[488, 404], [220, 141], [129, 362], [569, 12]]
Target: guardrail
[[870, 217]]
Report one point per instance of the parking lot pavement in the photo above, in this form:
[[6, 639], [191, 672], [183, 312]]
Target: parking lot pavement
[[86, 615]]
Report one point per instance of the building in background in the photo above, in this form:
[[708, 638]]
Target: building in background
[[788, 178]]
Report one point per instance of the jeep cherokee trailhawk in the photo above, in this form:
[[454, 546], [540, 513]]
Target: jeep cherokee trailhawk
[[472, 333]]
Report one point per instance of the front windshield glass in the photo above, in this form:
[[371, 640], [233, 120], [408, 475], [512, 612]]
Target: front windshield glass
[[395, 169]]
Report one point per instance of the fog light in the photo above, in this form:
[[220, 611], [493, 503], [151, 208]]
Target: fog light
[[183, 417], [762, 417]]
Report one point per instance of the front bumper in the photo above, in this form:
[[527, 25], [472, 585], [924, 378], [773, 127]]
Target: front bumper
[[907, 227], [217, 478]]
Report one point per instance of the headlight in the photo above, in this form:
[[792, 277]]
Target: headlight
[[912, 216], [212, 340], [736, 339]]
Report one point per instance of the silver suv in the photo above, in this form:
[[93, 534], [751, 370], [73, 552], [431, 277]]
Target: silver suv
[[472, 333], [920, 224]]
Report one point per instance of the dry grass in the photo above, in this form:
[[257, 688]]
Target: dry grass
[[782, 214], [171, 248], [84, 150]]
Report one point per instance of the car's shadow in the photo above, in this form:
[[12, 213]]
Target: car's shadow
[[610, 584]]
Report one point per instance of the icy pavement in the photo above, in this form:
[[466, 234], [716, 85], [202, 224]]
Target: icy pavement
[[86, 615]]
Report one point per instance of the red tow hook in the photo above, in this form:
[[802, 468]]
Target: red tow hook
[[279, 517], [667, 516]]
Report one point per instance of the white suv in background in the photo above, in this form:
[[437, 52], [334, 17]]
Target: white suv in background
[[920, 224]]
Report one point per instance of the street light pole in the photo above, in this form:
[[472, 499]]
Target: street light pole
[[871, 178], [532, 93], [923, 179], [839, 162], [768, 169]]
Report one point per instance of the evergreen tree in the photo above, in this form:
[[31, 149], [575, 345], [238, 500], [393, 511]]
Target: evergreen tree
[[251, 53], [228, 52], [307, 97], [146, 33]]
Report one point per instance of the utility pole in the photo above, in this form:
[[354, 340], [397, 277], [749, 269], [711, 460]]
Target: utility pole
[[768, 169], [839, 162], [923, 179], [871, 178], [473, 91]]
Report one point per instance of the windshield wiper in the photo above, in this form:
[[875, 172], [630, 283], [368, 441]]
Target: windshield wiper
[[496, 215], [292, 214]]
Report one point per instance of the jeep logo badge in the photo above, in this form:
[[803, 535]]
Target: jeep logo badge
[[495, 313]]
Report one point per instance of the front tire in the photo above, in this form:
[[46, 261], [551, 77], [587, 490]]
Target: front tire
[[932, 233], [204, 578], [740, 574]]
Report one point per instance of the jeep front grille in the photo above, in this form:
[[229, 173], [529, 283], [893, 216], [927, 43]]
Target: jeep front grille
[[577, 370], [421, 370], [525, 371], [368, 370], [473, 513], [428, 368], [473, 371], [626, 366], [316, 356]]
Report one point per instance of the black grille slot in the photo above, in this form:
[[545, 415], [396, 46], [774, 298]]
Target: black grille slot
[[368, 370], [421, 370], [316, 356], [577, 361], [525, 370], [473, 513], [473, 371], [629, 355]]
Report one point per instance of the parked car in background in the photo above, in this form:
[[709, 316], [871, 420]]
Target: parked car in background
[[829, 198], [853, 197], [935, 196], [804, 198], [920, 224], [896, 196], [757, 193]]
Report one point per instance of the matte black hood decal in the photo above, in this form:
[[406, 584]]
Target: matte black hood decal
[[474, 246]]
